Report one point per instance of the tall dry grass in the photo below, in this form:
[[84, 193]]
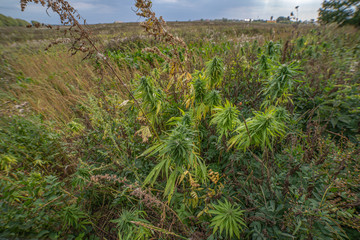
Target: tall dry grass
[[51, 82], [54, 82]]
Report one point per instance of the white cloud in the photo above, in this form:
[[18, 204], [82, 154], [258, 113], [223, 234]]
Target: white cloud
[[165, 1], [96, 11], [307, 9], [86, 7]]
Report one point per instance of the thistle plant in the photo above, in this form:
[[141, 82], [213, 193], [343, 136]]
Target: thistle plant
[[259, 131], [229, 217]]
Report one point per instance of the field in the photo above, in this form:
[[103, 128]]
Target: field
[[209, 130]]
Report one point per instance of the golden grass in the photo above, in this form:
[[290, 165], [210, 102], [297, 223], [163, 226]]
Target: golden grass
[[53, 82], [57, 82]]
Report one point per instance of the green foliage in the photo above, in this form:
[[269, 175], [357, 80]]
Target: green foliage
[[152, 98], [177, 153], [215, 72], [260, 131], [74, 217], [229, 217], [213, 98], [283, 19], [342, 110], [272, 50], [179, 146], [300, 42], [338, 110], [107, 131], [342, 12], [203, 99], [278, 88], [264, 65], [35, 23], [7, 162], [102, 174], [9, 21], [127, 230], [199, 84], [225, 118], [30, 144], [36, 206]]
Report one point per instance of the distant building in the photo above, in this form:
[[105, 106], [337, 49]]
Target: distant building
[[271, 21], [248, 20]]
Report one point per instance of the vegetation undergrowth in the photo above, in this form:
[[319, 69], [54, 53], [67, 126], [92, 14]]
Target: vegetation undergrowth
[[217, 135]]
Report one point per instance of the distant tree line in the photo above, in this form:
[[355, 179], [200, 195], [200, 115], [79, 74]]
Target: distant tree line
[[9, 21], [283, 19]]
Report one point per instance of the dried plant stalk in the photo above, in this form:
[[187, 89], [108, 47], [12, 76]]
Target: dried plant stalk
[[157, 27]]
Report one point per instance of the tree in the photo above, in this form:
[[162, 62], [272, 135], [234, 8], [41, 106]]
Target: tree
[[283, 19], [35, 23], [343, 12]]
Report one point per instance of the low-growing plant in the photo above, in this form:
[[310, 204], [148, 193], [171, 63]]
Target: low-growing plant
[[227, 217], [127, 230]]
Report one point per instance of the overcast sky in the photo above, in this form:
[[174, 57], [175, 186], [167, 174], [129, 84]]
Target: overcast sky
[[108, 11]]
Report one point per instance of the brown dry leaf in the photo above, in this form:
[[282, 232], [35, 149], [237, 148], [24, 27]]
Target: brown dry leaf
[[145, 133]]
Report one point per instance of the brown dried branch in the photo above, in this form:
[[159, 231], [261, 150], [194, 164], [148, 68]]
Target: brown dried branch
[[157, 27]]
